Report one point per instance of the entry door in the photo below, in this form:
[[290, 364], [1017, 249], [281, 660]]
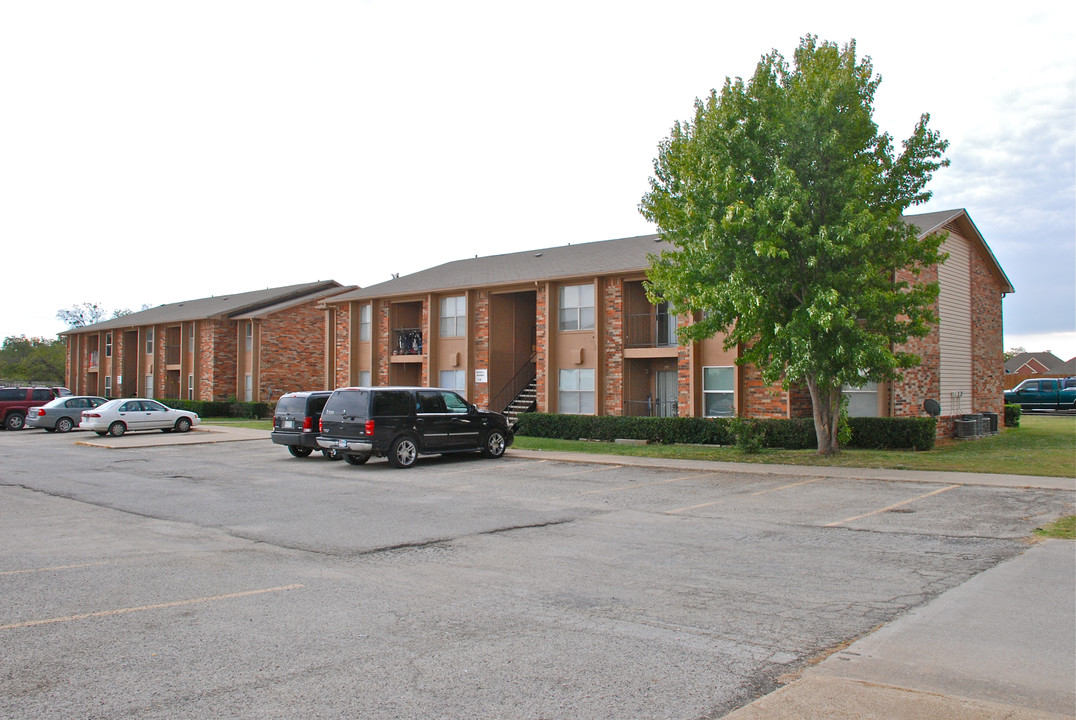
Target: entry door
[[665, 392]]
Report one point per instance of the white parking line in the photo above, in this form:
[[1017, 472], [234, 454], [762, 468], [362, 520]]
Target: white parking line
[[890, 507]]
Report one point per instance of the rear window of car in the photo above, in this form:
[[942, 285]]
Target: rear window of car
[[291, 405], [347, 402], [12, 394]]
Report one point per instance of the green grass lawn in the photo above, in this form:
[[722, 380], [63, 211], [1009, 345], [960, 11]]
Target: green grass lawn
[[1042, 445]]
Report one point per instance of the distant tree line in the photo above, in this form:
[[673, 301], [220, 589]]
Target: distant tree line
[[35, 359]]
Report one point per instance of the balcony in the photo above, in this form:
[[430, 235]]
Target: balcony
[[95, 359], [650, 330], [172, 356], [408, 341], [651, 408]]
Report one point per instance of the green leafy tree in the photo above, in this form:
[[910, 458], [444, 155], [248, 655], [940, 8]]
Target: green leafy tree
[[33, 360], [784, 202]]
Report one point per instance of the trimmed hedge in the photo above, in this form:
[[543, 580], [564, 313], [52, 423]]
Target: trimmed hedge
[[1012, 415], [223, 408], [791, 434]]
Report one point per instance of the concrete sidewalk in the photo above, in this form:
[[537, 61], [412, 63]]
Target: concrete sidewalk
[[155, 438], [1002, 645]]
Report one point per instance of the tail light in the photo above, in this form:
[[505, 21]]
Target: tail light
[[40, 412], [369, 427], [308, 424], [321, 428], [89, 414]]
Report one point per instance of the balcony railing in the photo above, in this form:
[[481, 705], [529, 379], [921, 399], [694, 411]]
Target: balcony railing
[[651, 408], [647, 330], [408, 341], [171, 356]]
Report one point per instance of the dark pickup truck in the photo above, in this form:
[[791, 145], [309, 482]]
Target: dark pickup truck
[[1044, 394]]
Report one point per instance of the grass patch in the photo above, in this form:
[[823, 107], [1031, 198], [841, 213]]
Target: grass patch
[[1063, 528], [1043, 445]]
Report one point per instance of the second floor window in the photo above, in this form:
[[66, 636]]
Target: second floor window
[[454, 316], [149, 341], [250, 336], [108, 344], [364, 323], [577, 307]]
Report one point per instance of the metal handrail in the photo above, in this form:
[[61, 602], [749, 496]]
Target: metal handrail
[[523, 378], [643, 330]]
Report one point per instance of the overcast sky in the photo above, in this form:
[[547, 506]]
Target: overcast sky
[[157, 152]]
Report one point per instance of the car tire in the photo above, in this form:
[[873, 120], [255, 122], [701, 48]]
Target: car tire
[[494, 445], [183, 425], [356, 459], [332, 455], [403, 452], [100, 433], [299, 452], [64, 424], [117, 429], [14, 421]]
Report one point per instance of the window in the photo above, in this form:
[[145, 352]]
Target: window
[[364, 323], [250, 336], [149, 341], [108, 386], [190, 338], [454, 316], [149, 386], [41, 395], [190, 387], [718, 385], [364, 378], [454, 380], [108, 345], [455, 404], [248, 387], [577, 307], [576, 392], [862, 401]]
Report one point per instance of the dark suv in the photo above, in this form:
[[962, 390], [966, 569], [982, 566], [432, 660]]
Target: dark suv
[[295, 423], [401, 422]]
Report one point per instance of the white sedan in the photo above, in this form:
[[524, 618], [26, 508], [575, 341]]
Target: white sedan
[[116, 417]]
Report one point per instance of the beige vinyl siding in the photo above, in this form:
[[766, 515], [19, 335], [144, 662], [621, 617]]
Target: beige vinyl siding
[[954, 327]]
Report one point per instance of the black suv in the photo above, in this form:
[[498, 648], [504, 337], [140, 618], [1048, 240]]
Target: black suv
[[295, 423], [401, 422]]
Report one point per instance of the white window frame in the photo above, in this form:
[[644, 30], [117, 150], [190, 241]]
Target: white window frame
[[108, 386], [248, 387], [190, 386], [575, 391], [365, 314], [149, 385], [453, 380], [860, 398], [454, 316], [149, 341], [363, 378], [108, 345], [249, 342], [710, 392], [575, 309]]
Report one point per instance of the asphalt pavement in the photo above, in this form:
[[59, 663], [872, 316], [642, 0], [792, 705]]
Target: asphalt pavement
[[1001, 645]]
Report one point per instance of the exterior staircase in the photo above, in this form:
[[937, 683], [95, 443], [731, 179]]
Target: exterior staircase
[[525, 401]]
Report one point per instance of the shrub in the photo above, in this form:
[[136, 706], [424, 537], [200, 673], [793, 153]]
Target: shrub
[[217, 408], [1012, 415], [792, 434]]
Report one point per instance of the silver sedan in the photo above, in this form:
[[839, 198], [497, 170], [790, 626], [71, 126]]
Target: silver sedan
[[116, 417], [61, 414]]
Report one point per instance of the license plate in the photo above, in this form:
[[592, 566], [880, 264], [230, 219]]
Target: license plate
[[288, 424]]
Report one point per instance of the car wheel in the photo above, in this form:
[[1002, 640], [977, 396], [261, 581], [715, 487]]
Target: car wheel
[[14, 421], [183, 424], [299, 452], [403, 452], [494, 445], [356, 459], [333, 454], [116, 429], [64, 424]]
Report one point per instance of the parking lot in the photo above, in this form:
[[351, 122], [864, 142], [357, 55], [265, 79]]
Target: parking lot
[[232, 580]]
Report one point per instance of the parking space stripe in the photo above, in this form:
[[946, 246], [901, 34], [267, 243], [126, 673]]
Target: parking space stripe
[[55, 568], [636, 486], [786, 487], [143, 608], [891, 507]]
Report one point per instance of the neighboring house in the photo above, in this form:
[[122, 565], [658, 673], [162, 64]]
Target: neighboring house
[[250, 346], [572, 326], [1034, 363]]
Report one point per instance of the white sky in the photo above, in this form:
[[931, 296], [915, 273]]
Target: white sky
[[156, 152]]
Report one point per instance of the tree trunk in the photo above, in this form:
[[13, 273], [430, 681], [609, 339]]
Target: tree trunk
[[825, 402]]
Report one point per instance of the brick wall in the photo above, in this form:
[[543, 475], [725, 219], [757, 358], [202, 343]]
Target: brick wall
[[541, 339], [987, 362], [380, 374], [217, 360], [291, 351], [760, 399], [339, 373], [480, 343], [611, 400]]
